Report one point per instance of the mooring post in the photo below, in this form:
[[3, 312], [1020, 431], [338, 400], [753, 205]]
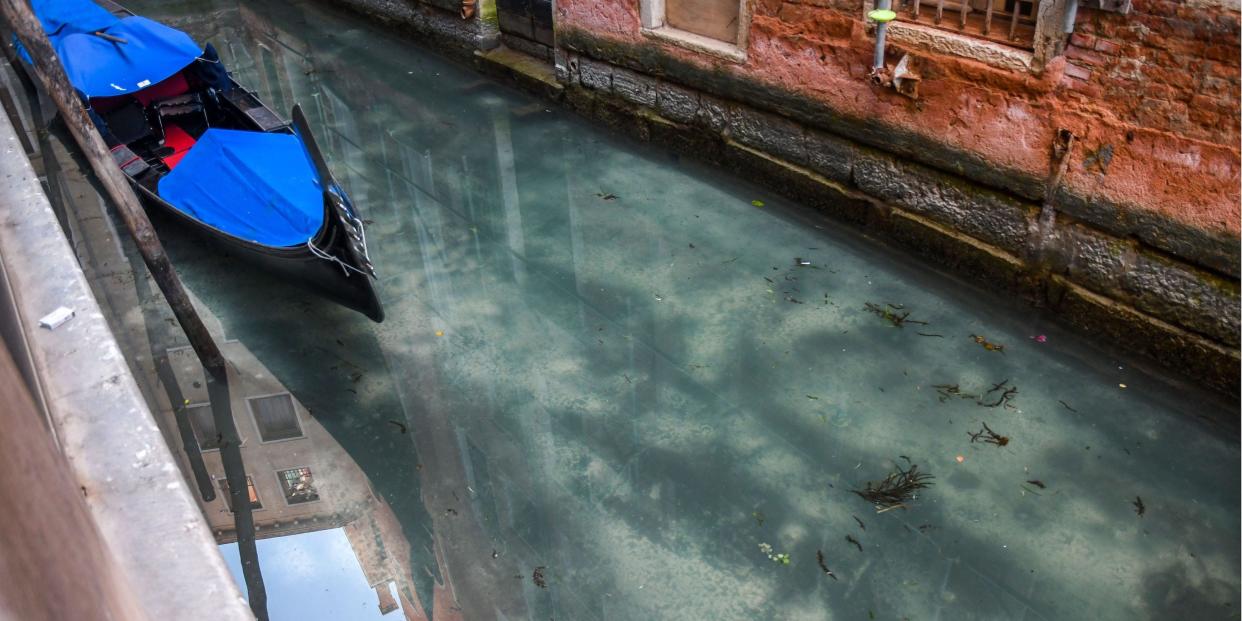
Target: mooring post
[[52, 76]]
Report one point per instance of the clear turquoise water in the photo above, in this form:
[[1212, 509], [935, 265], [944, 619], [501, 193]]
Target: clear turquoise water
[[611, 368]]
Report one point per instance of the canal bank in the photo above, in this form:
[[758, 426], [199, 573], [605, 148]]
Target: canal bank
[[616, 384], [126, 538], [1150, 269]]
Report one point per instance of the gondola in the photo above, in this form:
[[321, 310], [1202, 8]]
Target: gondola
[[197, 145]]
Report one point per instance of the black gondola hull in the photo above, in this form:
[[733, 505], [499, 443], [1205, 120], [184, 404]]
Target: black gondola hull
[[298, 265]]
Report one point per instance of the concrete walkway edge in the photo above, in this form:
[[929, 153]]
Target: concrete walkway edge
[[133, 487]]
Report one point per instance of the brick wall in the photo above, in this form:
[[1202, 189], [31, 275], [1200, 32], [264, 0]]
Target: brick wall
[[1152, 96], [1164, 66]]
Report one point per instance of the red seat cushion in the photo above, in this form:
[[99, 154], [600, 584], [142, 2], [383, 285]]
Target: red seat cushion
[[169, 88], [179, 141]]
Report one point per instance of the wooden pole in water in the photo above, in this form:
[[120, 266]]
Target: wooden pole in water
[[52, 76]]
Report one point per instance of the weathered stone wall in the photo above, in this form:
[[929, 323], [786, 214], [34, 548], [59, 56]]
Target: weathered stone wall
[[1118, 287], [1149, 279], [434, 22], [1154, 101]]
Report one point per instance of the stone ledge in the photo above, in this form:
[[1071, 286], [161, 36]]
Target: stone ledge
[[1217, 252]]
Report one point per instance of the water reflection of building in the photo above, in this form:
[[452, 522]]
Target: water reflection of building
[[300, 479]]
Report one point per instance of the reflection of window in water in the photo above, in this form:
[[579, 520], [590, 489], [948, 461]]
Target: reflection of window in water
[[204, 426], [275, 417], [298, 484], [254, 493]]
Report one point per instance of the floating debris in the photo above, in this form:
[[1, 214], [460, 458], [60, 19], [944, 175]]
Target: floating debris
[[800, 262], [781, 558], [855, 542], [950, 391], [1037, 483], [819, 557], [495, 554], [1040, 338], [759, 517], [930, 334], [1067, 406], [537, 577], [896, 489], [893, 314], [1006, 395], [608, 197], [987, 436], [399, 425], [757, 203], [860, 522], [1139, 507], [987, 344]]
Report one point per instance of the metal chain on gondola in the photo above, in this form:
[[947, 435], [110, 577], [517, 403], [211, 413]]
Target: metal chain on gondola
[[357, 232]]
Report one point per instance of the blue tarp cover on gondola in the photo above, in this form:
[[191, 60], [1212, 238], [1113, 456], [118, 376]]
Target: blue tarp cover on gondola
[[152, 51], [256, 186], [64, 17]]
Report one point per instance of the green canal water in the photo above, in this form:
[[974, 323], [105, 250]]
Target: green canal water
[[609, 388]]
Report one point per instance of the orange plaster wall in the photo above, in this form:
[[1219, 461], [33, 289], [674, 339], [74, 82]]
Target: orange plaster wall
[[1160, 85]]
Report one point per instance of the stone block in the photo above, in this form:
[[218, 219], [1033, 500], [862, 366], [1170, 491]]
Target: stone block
[[983, 214], [830, 156], [1184, 296], [713, 113], [676, 103], [1095, 260], [634, 87], [594, 75], [769, 133]]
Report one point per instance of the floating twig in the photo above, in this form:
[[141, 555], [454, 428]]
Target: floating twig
[[819, 556], [1007, 393], [1037, 483], [1067, 406], [893, 314], [855, 542], [987, 436], [896, 489], [860, 522], [939, 336], [950, 391]]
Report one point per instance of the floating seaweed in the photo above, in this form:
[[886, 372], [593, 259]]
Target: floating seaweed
[[894, 314], [987, 436], [896, 489], [855, 542], [951, 391], [537, 577], [1006, 395], [781, 558], [988, 345], [819, 556], [1139, 507]]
